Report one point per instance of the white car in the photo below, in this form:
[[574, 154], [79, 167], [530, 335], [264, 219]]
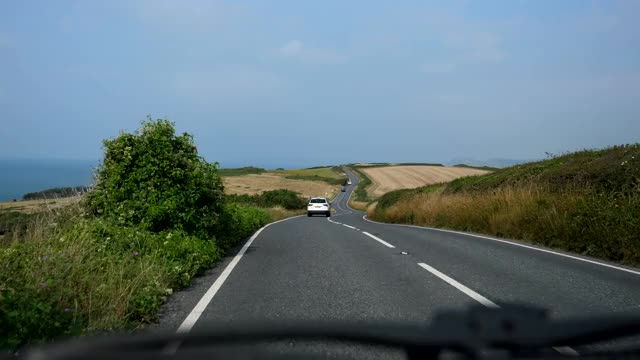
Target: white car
[[349, 182], [319, 205]]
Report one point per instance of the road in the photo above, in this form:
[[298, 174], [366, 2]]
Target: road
[[346, 267]]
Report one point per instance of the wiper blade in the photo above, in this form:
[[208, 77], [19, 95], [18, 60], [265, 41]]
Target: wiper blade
[[525, 326], [518, 328]]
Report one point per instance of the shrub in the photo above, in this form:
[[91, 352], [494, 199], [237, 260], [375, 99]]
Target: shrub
[[14, 221], [155, 179], [70, 275], [287, 199], [239, 221]]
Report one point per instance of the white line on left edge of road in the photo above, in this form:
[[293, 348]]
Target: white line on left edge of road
[[483, 300], [191, 319], [379, 240], [350, 227]]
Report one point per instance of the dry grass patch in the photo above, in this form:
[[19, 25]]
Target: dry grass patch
[[358, 205], [40, 205], [256, 184], [578, 220], [389, 178], [279, 213]]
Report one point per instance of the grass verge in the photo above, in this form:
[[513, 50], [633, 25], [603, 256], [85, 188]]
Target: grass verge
[[360, 193], [586, 202], [67, 274], [278, 213]]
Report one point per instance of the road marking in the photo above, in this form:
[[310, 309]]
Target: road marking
[[566, 350], [512, 243], [331, 221], [379, 240], [349, 226], [200, 307], [472, 294]]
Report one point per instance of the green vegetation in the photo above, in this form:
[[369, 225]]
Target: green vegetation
[[331, 175], [156, 218], [154, 179], [14, 221], [275, 198], [360, 193], [241, 171], [586, 202], [56, 193], [488, 168]]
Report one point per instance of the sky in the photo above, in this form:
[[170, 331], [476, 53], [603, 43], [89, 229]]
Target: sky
[[299, 83]]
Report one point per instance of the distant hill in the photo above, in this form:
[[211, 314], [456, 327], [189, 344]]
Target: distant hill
[[492, 163]]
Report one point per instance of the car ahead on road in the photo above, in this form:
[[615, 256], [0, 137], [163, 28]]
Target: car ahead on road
[[319, 205], [343, 189], [349, 182]]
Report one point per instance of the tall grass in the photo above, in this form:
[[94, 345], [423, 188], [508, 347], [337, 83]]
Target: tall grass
[[587, 202], [279, 213], [65, 273]]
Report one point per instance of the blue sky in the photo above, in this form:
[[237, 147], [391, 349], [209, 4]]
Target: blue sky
[[298, 83]]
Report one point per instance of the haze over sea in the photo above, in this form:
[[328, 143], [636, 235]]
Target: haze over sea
[[21, 176]]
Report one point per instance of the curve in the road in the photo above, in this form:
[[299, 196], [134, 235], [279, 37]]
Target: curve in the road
[[350, 268]]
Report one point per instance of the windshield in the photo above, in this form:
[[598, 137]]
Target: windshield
[[163, 163]]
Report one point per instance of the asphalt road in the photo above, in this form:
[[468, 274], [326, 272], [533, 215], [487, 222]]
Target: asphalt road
[[348, 268]]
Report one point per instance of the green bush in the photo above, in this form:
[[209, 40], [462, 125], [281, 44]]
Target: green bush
[[14, 221], [238, 222], [69, 275], [155, 219], [156, 180], [287, 199]]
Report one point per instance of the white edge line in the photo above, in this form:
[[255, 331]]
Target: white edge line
[[349, 226], [191, 319], [379, 240], [364, 217], [472, 294]]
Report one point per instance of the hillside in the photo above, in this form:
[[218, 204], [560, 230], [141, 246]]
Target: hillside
[[321, 181], [587, 202], [390, 178]]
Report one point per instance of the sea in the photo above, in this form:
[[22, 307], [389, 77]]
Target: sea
[[21, 176]]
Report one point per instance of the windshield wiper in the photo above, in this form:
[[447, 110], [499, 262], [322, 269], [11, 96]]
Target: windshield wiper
[[518, 329]]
